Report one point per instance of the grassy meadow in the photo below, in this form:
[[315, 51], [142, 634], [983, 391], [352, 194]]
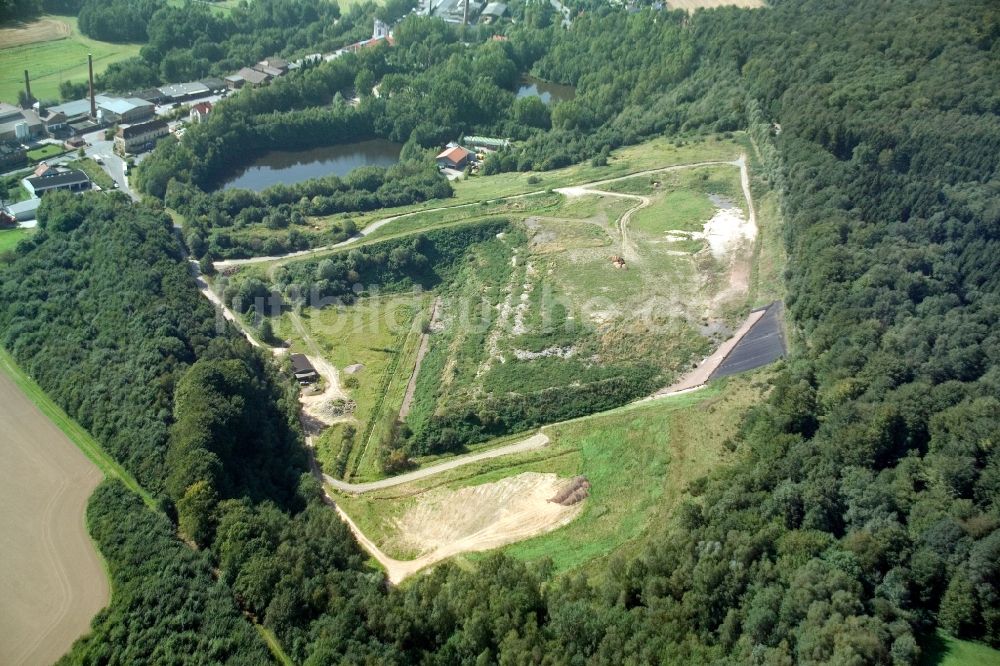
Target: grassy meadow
[[380, 333], [639, 459], [55, 58], [9, 238]]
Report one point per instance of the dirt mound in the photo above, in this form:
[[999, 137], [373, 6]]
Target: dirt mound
[[573, 492], [481, 517]]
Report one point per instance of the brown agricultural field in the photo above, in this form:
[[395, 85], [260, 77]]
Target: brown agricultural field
[[52, 581], [43, 30]]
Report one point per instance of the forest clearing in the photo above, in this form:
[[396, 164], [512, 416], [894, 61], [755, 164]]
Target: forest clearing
[[53, 580], [555, 285]]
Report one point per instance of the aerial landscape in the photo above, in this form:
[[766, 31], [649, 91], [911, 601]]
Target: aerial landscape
[[526, 332]]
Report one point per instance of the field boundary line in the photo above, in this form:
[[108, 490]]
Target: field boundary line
[[77, 434]]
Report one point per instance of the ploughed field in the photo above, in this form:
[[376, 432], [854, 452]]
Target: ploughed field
[[52, 581]]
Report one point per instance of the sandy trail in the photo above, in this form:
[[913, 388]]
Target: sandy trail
[[536, 441], [52, 582], [425, 344]]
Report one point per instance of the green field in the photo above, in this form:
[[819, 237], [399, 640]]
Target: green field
[[941, 649], [9, 238], [45, 152], [639, 459], [379, 333], [52, 62]]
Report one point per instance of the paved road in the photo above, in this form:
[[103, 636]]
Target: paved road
[[536, 441]]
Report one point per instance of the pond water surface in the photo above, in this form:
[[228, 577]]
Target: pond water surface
[[529, 86], [290, 167]]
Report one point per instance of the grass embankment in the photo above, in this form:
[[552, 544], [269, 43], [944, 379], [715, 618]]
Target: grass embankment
[[940, 649], [95, 173], [45, 152], [15, 190], [76, 433], [9, 238], [57, 53], [381, 334], [640, 460]]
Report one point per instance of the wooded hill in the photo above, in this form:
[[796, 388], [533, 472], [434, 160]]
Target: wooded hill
[[864, 511]]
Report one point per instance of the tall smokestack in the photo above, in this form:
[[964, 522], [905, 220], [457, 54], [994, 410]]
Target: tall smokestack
[[27, 87], [465, 14], [93, 102]]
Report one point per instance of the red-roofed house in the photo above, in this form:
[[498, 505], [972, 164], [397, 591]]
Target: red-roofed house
[[200, 111], [455, 157]]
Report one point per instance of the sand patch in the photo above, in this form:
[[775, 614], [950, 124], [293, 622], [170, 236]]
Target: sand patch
[[446, 522]]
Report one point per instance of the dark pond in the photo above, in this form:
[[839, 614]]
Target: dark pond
[[529, 86], [290, 167]]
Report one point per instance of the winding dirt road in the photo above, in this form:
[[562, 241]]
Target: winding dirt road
[[536, 441]]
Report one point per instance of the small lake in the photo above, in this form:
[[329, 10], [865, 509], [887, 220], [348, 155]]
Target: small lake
[[294, 166], [529, 86]]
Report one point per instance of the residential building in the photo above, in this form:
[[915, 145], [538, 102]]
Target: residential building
[[454, 157], [200, 111], [69, 179], [134, 138]]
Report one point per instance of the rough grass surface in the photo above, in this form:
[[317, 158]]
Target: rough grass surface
[[639, 460], [50, 62], [944, 650], [9, 238]]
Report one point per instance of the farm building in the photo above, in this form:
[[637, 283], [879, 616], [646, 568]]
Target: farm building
[[69, 180], [304, 371], [455, 157]]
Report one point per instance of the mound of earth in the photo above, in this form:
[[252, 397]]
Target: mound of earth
[[446, 522]]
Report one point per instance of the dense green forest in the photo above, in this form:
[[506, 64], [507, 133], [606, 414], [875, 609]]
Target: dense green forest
[[864, 510]]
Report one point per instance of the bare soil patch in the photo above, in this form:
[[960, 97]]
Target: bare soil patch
[[445, 522], [52, 581], [42, 30]]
